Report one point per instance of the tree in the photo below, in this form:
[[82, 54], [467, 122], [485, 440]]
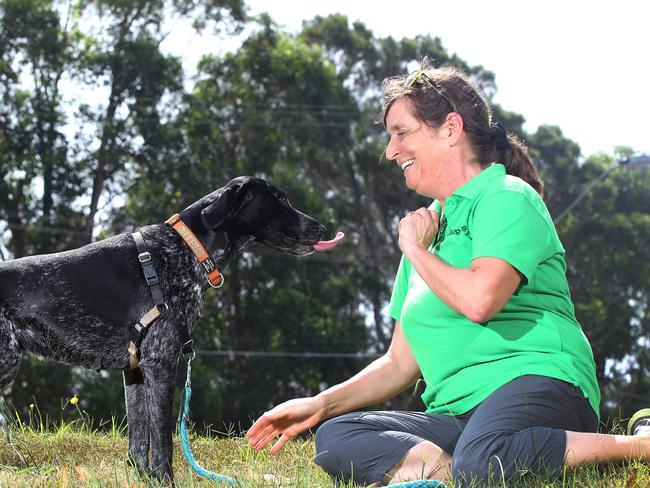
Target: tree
[[269, 110], [124, 55], [608, 274], [33, 56], [301, 111], [57, 152]]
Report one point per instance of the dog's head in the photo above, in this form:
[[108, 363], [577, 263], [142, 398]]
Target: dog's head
[[251, 210]]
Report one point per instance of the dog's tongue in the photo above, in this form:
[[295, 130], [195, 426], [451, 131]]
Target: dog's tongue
[[329, 245]]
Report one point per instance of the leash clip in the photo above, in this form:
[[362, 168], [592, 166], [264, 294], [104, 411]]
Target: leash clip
[[188, 377], [188, 349]]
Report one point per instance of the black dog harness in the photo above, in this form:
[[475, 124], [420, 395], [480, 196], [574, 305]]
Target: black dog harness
[[139, 330], [212, 274]]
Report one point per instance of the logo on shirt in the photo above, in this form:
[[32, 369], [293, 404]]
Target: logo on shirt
[[452, 232], [459, 231]]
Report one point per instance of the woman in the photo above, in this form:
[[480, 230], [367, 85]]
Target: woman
[[483, 314]]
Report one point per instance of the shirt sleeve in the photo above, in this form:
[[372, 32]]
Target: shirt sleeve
[[400, 287], [508, 226]]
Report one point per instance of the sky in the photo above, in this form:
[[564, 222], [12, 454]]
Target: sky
[[581, 65]]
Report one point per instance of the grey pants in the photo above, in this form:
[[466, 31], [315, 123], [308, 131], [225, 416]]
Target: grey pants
[[520, 429]]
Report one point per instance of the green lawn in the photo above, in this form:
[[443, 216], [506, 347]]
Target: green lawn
[[72, 455]]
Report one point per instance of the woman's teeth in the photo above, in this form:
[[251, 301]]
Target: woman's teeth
[[406, 164]]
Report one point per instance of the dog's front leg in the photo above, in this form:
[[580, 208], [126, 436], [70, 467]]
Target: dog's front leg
[[10, 357], [137, 420], [160, 382]]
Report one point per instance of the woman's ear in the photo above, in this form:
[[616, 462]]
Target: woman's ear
[[454, 126]]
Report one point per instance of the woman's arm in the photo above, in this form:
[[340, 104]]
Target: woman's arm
[[477, 292], [379, 381]]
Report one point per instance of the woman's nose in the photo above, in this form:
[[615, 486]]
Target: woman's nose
[[391, 150]]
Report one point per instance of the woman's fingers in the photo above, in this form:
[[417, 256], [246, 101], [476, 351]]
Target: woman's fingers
[[284, 438], [285, 420], [417, 228], [255, 428], [262, 440], [424, 213], [262, 436]]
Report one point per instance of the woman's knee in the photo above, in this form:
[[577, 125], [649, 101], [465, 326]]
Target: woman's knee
[[476, 465], [328, 442]]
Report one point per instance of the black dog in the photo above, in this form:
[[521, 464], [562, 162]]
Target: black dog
[[79, 307]]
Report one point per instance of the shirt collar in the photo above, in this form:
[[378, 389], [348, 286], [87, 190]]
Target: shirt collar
[[474, 186]]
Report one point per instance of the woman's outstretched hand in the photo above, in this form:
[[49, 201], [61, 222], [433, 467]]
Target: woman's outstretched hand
[[286, 420]]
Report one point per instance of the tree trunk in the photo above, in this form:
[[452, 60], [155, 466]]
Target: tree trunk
[[373, 248], [104, 155], [16, 225]]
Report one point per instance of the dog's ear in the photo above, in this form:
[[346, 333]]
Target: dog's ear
[[227, 205], [215, 214]]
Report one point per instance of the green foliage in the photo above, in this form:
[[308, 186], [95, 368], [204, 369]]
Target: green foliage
[[301, 111], [32, 146], [290, 107], [608, 271], [61, 160]]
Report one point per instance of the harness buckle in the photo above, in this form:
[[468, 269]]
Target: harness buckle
[[144, 257], [208, 265]]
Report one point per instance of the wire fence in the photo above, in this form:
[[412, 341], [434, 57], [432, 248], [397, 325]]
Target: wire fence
[[288, 354]]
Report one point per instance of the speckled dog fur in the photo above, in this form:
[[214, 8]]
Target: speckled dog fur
[[77, 306]]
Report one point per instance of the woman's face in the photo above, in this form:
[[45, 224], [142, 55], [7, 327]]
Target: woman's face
[[416, 148]]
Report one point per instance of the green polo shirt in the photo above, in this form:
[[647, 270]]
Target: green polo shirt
[[536, 332]]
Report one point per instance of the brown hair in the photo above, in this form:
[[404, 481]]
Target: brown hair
[[490, 143]]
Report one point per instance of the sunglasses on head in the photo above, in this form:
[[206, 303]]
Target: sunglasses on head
[[418, 75]]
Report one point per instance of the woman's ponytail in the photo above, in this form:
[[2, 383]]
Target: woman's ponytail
[[518, 162]]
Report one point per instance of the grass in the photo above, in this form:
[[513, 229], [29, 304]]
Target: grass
[[72, 454]]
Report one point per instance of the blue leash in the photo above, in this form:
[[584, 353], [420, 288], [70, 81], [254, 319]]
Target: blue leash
[[419, 484], [185, 443]]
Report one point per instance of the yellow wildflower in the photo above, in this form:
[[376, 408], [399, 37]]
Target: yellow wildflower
[[74, 400]]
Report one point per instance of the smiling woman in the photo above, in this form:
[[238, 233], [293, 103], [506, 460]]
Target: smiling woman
[[482, 312]]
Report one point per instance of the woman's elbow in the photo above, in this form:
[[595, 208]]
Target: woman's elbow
[[479, 311]]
